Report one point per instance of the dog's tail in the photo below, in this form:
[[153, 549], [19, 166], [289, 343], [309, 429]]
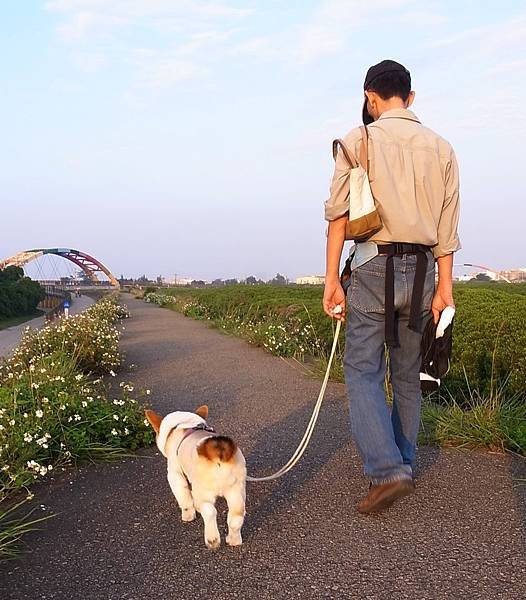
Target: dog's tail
[[217, 448]]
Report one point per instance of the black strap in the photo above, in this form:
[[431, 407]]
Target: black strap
[[399, 249]]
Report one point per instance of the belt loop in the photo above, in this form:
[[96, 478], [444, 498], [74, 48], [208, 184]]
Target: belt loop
[[418, 291]]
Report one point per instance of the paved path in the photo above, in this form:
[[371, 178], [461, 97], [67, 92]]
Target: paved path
[[10, 337], [118, 534]]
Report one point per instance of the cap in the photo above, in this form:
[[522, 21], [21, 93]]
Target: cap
[[386, 66]]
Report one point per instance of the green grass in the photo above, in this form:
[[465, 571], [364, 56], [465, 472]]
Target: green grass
[[5, 323], [14, 527], [495, 423]]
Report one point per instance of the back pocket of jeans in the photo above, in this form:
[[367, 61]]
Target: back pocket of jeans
[[367, 291]]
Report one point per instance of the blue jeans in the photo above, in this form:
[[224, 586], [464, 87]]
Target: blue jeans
[[386, 438]]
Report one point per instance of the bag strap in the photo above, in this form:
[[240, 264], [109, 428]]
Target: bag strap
[[364, 149], [364, 153], [339, 144]]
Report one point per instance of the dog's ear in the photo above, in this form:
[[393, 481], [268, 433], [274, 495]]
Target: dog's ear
[[202, 411], [154, 419]]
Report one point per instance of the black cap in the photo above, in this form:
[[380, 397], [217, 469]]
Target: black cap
[[386, 66]]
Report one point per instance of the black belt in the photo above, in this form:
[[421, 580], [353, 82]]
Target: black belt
[[399, 249]]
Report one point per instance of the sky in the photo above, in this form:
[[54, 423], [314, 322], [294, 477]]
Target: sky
[[191, 137]]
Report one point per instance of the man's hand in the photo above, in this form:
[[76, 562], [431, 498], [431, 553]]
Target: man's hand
[[333, 296], [444, 292], [443, 297]]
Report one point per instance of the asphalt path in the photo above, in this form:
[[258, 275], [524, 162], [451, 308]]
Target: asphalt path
[[118, 534], [10, 337]]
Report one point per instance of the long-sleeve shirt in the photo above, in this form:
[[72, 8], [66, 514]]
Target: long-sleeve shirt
[[414, 179]]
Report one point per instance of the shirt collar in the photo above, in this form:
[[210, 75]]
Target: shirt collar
[[399, 113]]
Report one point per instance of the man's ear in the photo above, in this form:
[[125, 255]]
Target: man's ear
[[410, 99], [154, 419], [202, 411]]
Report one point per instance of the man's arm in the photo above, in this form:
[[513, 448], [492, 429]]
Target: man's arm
[[333, 294], [444, 292], [448, 242]]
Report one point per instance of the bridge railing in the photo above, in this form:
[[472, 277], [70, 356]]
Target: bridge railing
[[53, 302]]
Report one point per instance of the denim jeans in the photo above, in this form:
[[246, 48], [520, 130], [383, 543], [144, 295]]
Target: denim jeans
[[386, 438]]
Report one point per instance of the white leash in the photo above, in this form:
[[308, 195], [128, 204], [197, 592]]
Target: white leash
[[310, 427]]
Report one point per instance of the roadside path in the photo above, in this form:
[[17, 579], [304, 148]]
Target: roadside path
[[10, 337], [118, 533]]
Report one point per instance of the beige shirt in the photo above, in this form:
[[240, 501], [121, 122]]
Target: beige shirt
[[414, 179]]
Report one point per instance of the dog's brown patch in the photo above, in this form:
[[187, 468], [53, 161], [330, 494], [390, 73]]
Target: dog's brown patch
[[202, 411], [154, 419], [218, 448]]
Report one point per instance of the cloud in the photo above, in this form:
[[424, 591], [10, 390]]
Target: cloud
[[82, 18], [332, 27], [165, 41]]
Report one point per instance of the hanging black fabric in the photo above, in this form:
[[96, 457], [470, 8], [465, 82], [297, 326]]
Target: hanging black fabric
[[437, 343]]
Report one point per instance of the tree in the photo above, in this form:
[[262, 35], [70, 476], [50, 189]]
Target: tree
[[482, 277], [251, 280], [198, 283], [231, 281], [279, 280], [11, 274], [19, 295]]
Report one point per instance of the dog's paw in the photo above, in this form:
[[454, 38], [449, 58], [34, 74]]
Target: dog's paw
[[234, 539], [188, 514], [213, 544]]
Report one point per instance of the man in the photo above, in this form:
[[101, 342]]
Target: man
[[413, 175]]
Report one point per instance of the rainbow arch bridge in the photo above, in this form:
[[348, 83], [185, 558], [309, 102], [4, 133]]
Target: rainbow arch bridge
[[92, 267]]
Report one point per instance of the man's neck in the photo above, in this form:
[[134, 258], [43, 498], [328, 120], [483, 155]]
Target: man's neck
[[390, 104]]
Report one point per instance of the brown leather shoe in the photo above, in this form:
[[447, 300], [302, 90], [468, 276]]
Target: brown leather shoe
[[382, 496]]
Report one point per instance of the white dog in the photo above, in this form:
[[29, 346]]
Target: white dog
[[202, 465]]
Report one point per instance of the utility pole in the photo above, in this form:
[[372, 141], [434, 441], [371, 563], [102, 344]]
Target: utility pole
[[175, 279]]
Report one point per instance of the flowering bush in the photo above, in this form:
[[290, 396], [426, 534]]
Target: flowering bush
[[52, 409], [90, 337]]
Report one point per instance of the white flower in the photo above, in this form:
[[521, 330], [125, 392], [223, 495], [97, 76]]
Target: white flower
[[112, 373], [148, 392], [39, 413], [114, 432], [12, 422], [116, 417], [28, 437], [84, 404], [126, 431], [77, 417], [78, 377], [45, 400], [26, 415]]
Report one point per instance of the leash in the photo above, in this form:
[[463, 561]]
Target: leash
[[300, 450]]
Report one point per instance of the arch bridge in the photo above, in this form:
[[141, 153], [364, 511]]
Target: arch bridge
[[89, 265]]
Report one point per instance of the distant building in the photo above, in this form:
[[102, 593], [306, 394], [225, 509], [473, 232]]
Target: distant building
[[311, 280], [514, 275]]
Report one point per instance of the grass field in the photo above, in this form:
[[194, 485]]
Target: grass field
[[5, 323]]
